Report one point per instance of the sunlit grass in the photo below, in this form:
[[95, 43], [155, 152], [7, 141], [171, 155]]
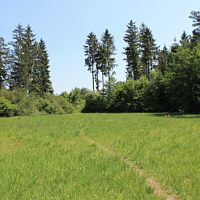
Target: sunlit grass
[[167, 148], [47, 157]]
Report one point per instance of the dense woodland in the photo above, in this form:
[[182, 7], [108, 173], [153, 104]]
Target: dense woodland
[[157, 80]]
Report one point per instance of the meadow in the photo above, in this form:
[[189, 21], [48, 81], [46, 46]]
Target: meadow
[[100, 156]]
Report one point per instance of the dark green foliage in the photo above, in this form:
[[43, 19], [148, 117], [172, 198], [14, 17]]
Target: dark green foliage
[[184, 80], [99, 57], [4, 62], [157, 98], [132, 51], [109, 49], [195, 15], [19, 76], [163, 60], [29, 64], [148, 50], [94, 102], [129, 96], [41, 75], [7, 109], [90, 50]]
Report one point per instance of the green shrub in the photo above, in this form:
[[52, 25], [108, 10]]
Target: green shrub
[[64, 104], [27, 106], [7, 109], [46, 107], [94, 102], [14, 96]]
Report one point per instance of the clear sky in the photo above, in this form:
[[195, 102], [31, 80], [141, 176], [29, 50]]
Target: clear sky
[[65, 24]]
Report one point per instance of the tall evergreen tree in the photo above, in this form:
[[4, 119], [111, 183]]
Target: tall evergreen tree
[[101, 62], [109, 49], [29, 54], [4, 61], [132, 51], [163, 59], [148, 50], [195, 15], [19, 70], [90, 50], [41, 77]]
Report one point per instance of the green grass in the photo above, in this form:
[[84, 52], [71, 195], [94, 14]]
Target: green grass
[[48, 157]]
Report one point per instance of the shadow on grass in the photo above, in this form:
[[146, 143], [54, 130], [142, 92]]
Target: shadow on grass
[[176, 115]]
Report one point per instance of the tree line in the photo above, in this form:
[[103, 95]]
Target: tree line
[[24, 63], [157, 79]]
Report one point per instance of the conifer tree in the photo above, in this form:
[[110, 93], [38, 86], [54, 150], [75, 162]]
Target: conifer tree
[[19, 71], [42, 73], [29, 54], [148, 50], [4, 61], [132, 51], [90, 50], [163, 59], [109, 49], [195, 15], [101, 62]]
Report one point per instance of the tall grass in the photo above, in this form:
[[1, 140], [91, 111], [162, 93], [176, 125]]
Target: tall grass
[[167, 148], [47, 157]]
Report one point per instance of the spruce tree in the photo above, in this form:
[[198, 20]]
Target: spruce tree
[[29, 50], [43, 72], [4, 61], [163, 59], [132, 51], [148, 50], [90, 50], [101, 62], [19, 70], [195, 15], [109, 49]]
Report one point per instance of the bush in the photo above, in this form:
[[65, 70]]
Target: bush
[[7, 109], [27, 106], [14, 97], [94, 102], [46, 107]]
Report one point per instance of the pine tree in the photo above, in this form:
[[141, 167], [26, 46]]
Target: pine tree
[[132, 51], [148, 50], [4, 61], [90, 50]]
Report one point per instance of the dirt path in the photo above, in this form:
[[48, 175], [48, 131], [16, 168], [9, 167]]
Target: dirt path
[[149, 181]]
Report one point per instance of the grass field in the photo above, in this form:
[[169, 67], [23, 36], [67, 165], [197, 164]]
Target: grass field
[[99, 156]]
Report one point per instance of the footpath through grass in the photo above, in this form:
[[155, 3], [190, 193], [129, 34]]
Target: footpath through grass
[[48, 157]]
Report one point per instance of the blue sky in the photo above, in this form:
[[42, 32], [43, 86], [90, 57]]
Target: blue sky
[[65, 24]]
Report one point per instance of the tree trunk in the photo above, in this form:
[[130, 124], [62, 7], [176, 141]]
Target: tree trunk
[[93, 77]]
